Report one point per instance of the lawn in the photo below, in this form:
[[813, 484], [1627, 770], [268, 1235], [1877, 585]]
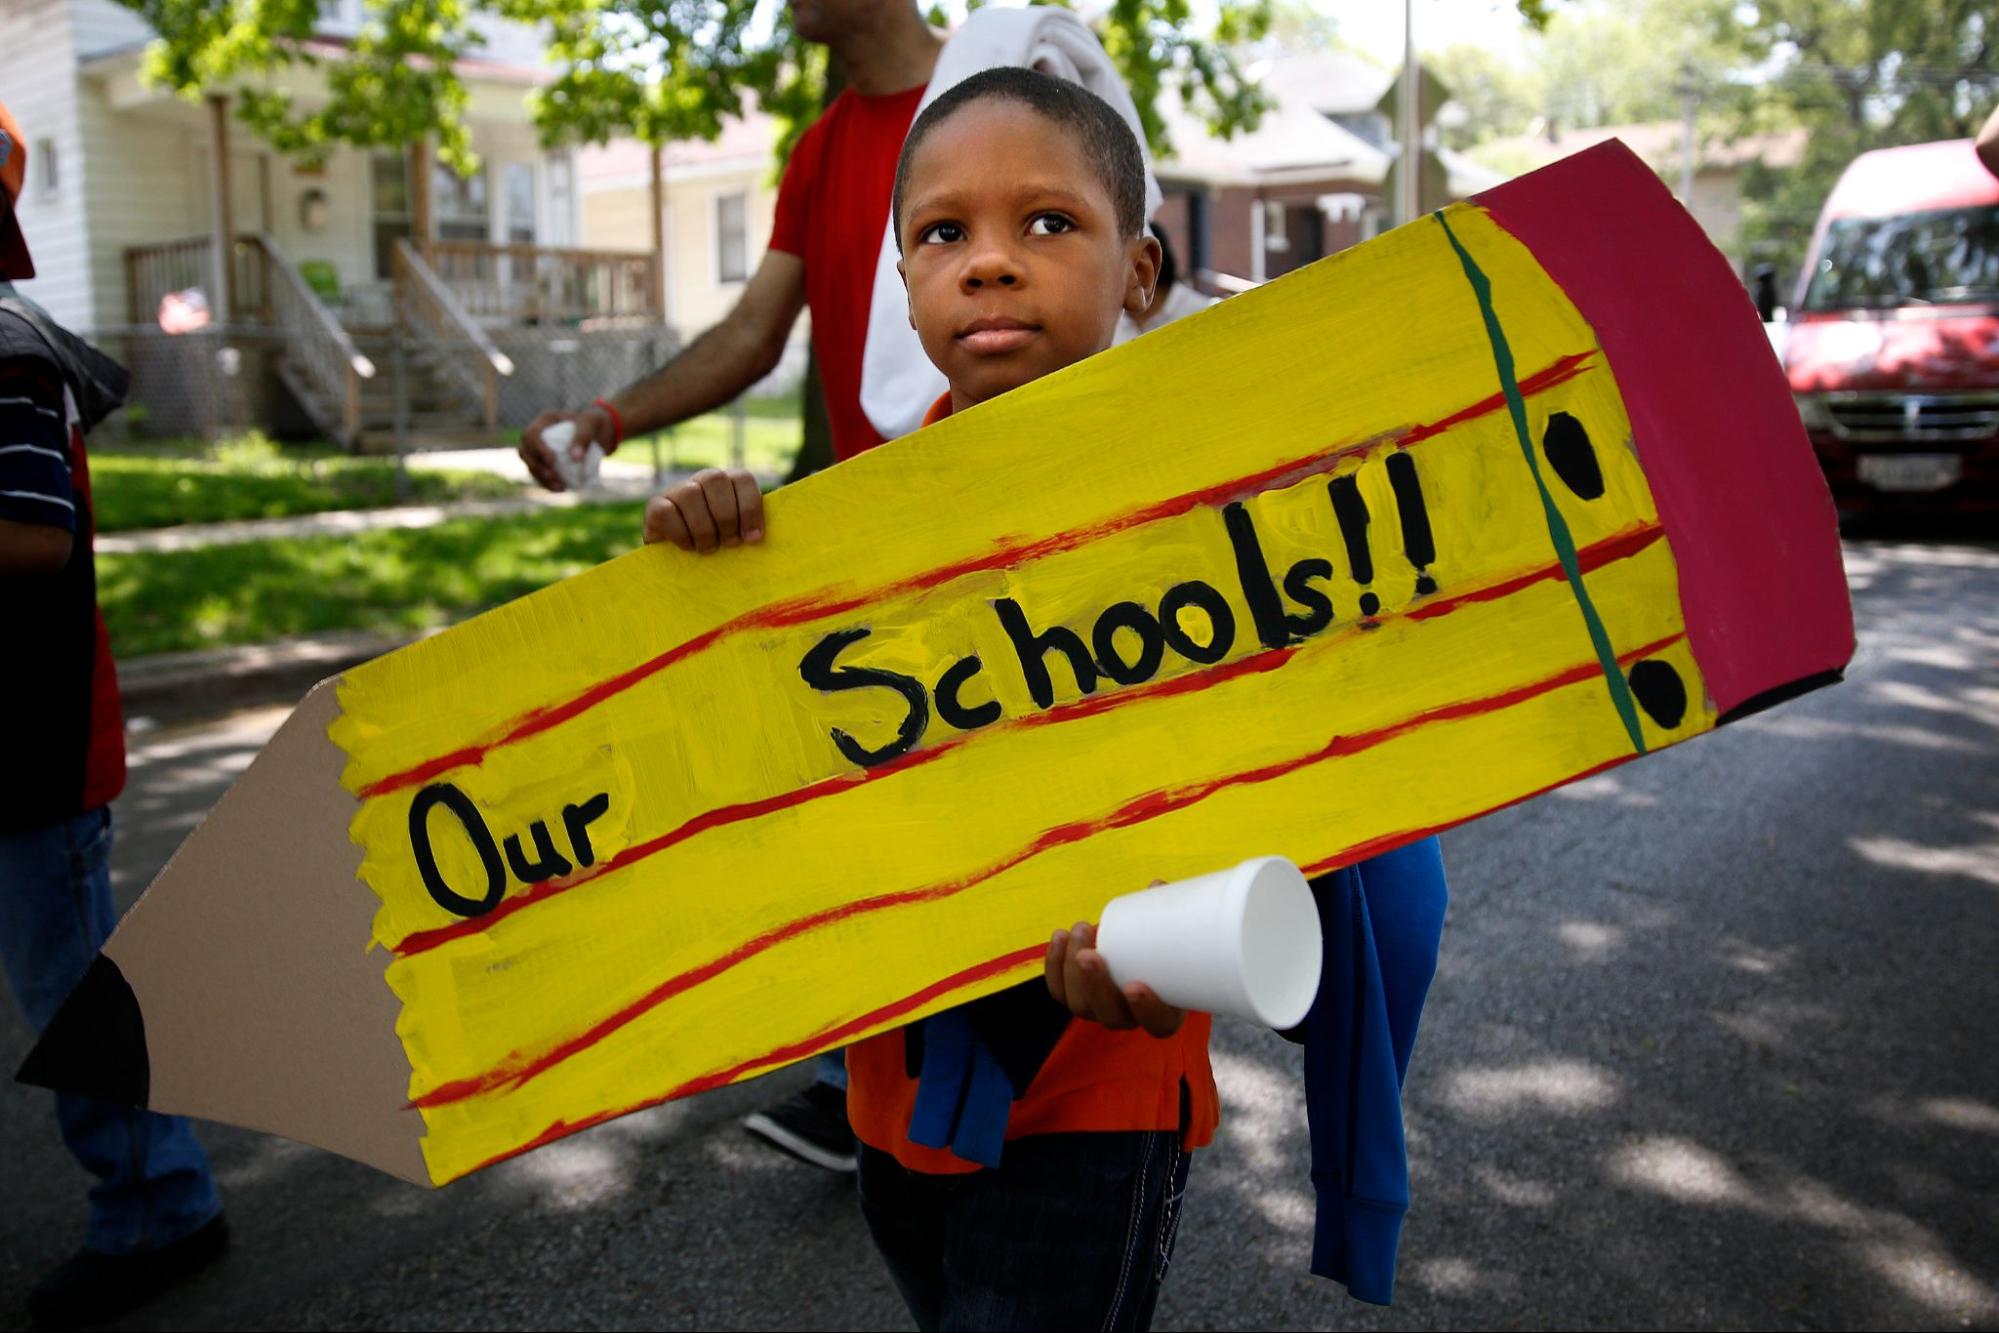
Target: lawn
[[769, 444], [772, 431], [157, 486], [387, 579]]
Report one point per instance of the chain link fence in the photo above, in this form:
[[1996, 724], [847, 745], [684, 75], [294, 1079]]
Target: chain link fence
[[209, 383]]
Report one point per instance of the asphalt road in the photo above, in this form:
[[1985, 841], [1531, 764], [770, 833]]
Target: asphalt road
[[1714, 1043]]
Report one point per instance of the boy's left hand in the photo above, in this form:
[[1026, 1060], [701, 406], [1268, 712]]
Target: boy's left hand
[[1079, 977], [714, 508]]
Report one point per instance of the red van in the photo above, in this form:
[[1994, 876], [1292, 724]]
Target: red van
[[1893, 345]]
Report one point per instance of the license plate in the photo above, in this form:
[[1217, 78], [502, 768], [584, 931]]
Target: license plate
[[1910, 472]]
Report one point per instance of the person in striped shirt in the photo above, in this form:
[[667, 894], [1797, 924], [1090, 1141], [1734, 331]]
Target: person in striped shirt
[[155, 1216]]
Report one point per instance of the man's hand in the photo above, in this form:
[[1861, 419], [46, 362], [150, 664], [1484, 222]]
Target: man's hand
[[593, 426], [1079, 977], [715, 507]]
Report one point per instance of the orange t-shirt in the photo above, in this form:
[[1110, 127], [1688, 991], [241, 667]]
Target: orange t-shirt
[[1094, 1079]]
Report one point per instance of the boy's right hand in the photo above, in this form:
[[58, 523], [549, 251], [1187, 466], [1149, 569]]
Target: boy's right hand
[[715, 507], [1079, 978], [593, 426]]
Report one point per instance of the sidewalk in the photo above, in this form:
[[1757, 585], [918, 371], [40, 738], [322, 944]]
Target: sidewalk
[[164, 688], [623, 480], [346, 522]]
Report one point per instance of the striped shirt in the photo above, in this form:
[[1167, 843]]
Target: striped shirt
[[35, 483], [65, 732]]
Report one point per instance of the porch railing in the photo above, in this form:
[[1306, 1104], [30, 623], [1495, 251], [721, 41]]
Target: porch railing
[[536, 284], [154, 271], [317, 350], [435, 313]]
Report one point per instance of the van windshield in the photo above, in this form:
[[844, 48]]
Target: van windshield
[[1946, 257]]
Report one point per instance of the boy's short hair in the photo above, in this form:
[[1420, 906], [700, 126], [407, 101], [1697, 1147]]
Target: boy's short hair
[[1107, 140]]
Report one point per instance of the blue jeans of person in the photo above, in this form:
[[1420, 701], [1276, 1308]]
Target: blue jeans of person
[[1070, 1231], [830, 1068], [153, 1182]]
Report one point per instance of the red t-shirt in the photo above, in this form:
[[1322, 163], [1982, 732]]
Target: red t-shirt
[[831, 211]]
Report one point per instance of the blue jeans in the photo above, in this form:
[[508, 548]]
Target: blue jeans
[[830, 1068], [1070, 1231], [153, 1183]]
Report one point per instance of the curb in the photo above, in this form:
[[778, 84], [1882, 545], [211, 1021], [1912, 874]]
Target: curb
[[218, 679]]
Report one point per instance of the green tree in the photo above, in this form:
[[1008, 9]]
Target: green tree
[[1857, 74], [658, 70], [1498, 97]]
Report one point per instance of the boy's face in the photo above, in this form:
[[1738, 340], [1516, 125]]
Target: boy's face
[[1011, 251]]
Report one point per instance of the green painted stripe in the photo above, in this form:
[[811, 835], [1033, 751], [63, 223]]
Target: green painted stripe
[[1558, 528]]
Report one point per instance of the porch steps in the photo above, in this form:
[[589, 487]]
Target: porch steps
[[440, 408]]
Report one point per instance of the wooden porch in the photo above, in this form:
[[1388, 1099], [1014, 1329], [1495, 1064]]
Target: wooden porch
[[448, 299], [430, 328]]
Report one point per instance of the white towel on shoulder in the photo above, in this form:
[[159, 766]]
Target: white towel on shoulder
[[898, 383]]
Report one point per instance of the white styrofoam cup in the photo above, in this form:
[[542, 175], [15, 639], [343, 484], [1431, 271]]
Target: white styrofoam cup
[[1241, 941]]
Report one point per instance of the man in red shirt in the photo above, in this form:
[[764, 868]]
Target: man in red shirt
[[832, 213]]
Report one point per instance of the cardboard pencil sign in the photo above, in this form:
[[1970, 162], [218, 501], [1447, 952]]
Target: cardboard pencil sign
[[1504, 498]]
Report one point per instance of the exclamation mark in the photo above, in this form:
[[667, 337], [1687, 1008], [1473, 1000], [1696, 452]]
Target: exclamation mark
[[1416, 541], [1351, 511]]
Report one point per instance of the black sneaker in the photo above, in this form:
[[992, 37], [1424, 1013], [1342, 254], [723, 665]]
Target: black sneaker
[[810, 1125], [91, 1288]]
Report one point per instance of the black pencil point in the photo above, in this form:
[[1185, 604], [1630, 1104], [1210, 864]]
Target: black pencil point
[[96, 1043]]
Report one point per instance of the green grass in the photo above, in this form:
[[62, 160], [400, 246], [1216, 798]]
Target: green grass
[[769, 444], [385, 580], [250, 477], [772, 432]]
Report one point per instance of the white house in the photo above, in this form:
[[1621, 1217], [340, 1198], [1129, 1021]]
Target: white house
[[1311, 179], [135, 193]]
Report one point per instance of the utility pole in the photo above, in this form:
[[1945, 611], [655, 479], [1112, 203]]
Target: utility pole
[[1690, 97], [1409, 127]]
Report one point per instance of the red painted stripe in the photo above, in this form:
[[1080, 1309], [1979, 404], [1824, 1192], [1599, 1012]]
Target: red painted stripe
[[823, 1040], [417, 942], [818, 606], [1590, 558], [518, 1068]]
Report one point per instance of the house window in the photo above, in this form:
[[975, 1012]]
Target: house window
[[1370, 127], [520, 203], [44, 158], [732, 243], [463, 210], [1274, 237], [1197, 232], [556, 174], [389, 177]]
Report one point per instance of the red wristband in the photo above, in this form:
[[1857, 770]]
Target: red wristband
[[617, 422]]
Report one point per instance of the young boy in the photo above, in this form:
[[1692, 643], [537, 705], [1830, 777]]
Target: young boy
[[1019, 213]]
